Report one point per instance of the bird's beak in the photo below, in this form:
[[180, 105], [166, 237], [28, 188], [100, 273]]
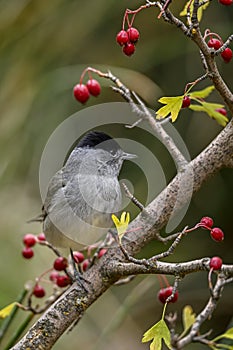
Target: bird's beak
[[128, 155]]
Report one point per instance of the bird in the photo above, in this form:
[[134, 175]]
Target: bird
[[84, 193]]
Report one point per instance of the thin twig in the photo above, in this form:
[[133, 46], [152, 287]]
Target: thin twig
[[132, 198], [205, 313], [144, 113]]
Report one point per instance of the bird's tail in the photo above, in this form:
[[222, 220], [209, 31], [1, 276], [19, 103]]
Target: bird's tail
[[38, 218]]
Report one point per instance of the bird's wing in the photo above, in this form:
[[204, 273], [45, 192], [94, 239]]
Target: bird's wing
[[56, 183]]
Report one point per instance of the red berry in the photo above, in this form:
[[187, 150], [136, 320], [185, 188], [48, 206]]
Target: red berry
[[63, 281], [81, 93], [29, 240], [85, 264], [27, 253], [60, 264], [133, 34], [206, 221], [221, 110], [186, 102], [225, 2], [39, 291], [78, 257], [122, 37], [164, 293], [101, 252], [41, 237], [129, 49], [217, 234], [214, 43], [215, 263], [93, 87], [227, 55], [54, 276]]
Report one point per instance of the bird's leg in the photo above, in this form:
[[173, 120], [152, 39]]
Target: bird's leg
[[77, 275]]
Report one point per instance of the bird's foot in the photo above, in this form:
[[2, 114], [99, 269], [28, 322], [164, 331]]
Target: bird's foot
[[77, 276]]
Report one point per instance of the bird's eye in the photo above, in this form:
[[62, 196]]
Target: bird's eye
[[113, 153]]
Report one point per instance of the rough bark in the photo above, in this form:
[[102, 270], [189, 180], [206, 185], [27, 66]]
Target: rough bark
[[73, 303]]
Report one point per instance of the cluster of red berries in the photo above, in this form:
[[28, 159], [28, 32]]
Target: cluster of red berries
[[215, 232], [82, 91], [217, 235], [226, 2], [165, 293], [216, 44], [29, 240], [60, 264], [128, 39]]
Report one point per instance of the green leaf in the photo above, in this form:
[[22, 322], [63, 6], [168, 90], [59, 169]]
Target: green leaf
[[172, 106], [199, 11], [158, 332], [223, 346], [202, 93], [188, 317], [210, 109], [228, 334]]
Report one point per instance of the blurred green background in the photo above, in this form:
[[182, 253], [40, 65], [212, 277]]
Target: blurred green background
[[44, 47]]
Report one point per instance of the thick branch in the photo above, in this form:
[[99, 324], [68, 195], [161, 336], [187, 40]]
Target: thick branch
[[72, 304], [162, 268], [217, 155]]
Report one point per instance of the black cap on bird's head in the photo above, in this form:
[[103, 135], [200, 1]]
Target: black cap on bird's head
[[100, 140]]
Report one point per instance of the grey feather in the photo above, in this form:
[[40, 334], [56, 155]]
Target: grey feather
[[82, 196]]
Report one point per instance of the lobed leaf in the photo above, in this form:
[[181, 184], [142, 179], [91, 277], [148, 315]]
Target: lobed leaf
[[210, 109], [172, 107], [202, 93], [158, 332]]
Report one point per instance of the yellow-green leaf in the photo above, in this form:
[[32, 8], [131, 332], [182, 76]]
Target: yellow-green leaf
[[172, 106], [158, 332], [228, 334], [202, 93], [199, 11], [220, 346], [7, 310], [210, 109], [188, 317], [121, 224]]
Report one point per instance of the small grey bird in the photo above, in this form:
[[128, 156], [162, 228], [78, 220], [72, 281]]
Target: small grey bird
[[82, 195]]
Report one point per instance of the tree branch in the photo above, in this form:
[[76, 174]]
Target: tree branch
[[113, 265], [205, 313], [73, 303]]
